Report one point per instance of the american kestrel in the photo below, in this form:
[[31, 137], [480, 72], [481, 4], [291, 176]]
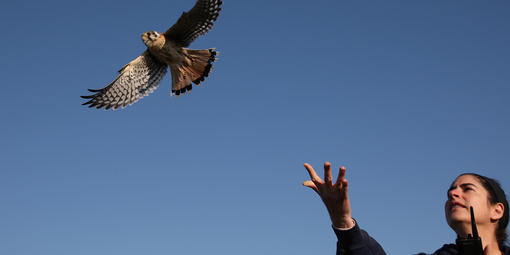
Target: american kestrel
[[142, 75]]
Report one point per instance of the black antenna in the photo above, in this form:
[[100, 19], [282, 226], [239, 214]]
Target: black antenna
[[472, 244], [473, 223]]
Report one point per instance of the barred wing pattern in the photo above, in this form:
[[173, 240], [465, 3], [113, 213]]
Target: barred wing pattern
[[194, 23], [135, 80]]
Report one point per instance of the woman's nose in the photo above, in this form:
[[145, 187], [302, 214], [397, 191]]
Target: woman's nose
[[454, 193]]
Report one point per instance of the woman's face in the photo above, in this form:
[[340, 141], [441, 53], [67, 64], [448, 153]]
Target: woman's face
[[464, 192]]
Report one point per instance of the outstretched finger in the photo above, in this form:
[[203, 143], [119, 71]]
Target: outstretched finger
[[345, 186], [328, 178], [311, 184], [341, 175], [312, 173]]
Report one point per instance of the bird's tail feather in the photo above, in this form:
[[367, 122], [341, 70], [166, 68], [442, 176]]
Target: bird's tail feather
[[200, 66]]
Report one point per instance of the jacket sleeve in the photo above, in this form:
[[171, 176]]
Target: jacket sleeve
[[356, 241]]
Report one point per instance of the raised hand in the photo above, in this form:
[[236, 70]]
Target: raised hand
[[334, 196]]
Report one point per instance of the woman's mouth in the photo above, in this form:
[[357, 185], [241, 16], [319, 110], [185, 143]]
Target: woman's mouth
[[457, 206]]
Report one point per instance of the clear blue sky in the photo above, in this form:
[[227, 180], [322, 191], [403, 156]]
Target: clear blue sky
[[406, 94]]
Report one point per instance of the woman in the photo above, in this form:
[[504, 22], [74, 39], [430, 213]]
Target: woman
[[484, 194]]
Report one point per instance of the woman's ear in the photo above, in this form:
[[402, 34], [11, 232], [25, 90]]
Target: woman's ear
[[497, 211]]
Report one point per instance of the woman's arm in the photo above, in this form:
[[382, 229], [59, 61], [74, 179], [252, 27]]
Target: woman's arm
[[351, 239]]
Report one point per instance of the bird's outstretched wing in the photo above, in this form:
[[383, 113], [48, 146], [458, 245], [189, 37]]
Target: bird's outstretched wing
[[135, 80], [194, 23]]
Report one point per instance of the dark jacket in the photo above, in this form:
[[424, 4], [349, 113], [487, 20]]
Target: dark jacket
[[356, 241]]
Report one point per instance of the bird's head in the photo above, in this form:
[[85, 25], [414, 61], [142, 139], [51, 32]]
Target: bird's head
[[149, 37]]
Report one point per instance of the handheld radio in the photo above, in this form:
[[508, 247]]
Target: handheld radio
[[471, 245]]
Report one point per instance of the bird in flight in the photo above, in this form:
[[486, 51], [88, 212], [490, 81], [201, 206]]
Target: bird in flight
[[143, 75]]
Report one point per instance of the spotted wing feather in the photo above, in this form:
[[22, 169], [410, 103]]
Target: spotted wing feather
[[135, 80], [198, 21]]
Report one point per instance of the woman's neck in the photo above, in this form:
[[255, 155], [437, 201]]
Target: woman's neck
[[489, 243]]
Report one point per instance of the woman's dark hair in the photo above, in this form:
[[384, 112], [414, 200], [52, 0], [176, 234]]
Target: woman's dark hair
[[496, 195]]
